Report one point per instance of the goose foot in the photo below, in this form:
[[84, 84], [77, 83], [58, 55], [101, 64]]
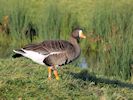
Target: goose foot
[[56, 75], [49, 73]]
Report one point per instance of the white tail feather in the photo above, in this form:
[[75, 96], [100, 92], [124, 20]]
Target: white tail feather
[[35, 56], [18, 52]]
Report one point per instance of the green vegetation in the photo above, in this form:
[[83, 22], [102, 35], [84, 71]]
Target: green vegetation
[[22, 79], [107, 49], [113, 22]]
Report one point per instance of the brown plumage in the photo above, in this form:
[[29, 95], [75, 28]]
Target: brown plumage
[[53, 52]]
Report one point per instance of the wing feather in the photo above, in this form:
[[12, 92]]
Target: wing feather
[[47, 47]]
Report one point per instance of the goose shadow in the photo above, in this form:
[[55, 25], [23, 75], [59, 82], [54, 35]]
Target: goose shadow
[[85, 76]]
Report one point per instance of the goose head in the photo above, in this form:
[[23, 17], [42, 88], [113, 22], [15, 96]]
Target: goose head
[[77, 34]]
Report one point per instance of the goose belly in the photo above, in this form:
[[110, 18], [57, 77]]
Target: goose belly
[[35, 56], [57, 59]]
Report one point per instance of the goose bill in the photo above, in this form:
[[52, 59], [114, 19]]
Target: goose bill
[[81, 35]]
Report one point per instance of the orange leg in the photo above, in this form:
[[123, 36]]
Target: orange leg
[[49, 73], [56, 74]]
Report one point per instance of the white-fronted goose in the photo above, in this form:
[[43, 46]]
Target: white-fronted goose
[[53, 52]]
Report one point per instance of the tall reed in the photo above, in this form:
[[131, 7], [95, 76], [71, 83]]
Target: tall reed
[[113, 22], [50, 21]]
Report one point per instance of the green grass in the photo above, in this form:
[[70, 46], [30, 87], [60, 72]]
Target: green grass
[[22, 79]]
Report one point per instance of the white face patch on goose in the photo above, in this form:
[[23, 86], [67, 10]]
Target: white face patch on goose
[[80, 33]]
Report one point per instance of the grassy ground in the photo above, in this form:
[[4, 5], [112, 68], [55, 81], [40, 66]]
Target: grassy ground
[[21, 79]]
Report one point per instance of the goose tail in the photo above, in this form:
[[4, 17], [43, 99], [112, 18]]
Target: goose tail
[[18, 53]]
